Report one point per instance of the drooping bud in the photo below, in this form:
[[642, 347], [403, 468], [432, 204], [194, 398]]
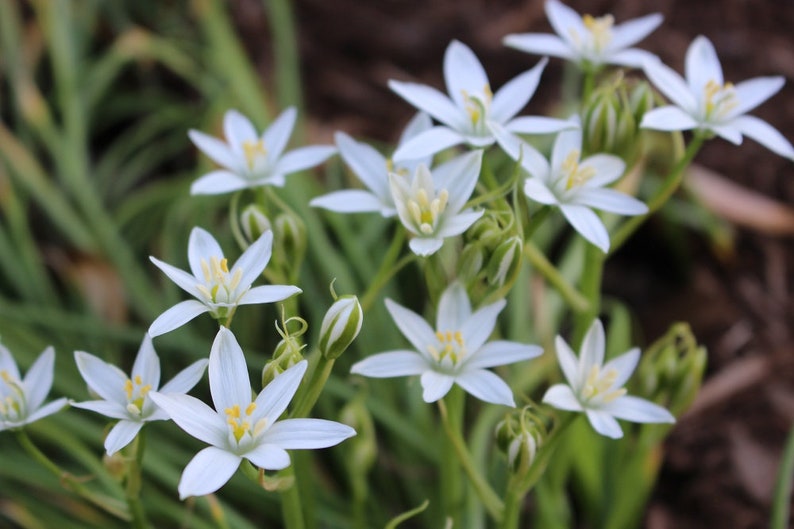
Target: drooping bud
[[288, 351], [519, 436], [254, 222], [505, 261], [340, 326], [289, 239]]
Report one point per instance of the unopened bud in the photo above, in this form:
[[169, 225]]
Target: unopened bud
[[487, 231], [254, 222], [519, 436], [471, 262], [340, 326], [288, 351], [290, 237], [641, 100], [505, 261], [612, 115]]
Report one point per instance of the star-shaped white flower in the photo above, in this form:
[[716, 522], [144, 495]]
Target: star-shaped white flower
[[218, 289], [573, 184], [471, 108], [241, 427], [597, 389], [704, 101], [22, 400], [588, 41], [373, 169], [455, 352], [430, 204], [127, 398], [251, 160]]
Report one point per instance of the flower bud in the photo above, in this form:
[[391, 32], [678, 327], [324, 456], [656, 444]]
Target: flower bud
[[290, 239], [519, 436], [505, 261], [254, 222], [288, 351], [340, 326], [471, 262], [641, 100], [487, 231]]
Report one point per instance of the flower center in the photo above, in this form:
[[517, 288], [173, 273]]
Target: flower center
[[219, 284], [477, 106], [598, 385], [719, 99], [240, 424], [450, 346], [426, 212], [253, 150], [136, 392], [600, 30], [573, 174], [13, 404]]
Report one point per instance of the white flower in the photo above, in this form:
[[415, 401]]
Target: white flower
[[704, 101], [217, 288], [250, 160], [573, 184], [587, 40], [471, 108], [127, 398], [597, 388], [373, 169], [455, 353], [430, 205], [21, 401], [239, 426]]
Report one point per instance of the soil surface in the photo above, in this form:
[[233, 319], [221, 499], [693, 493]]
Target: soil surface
[[736, 291]]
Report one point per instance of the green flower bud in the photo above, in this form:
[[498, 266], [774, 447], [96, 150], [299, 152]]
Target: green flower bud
[[471, 262], [288, 351], [254, 222], [641, 100], [487, 231], [340, 326], [505, 261], [519, 436], [290, 237]]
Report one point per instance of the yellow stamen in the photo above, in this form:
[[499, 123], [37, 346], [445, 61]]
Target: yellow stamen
[[252, 150], [574, 174]]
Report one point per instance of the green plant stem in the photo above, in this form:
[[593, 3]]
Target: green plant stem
[[307, 399], [669, 186], [69, 482], [291, 504], [591, 288], [783, 487], [133, 489], [578, 302], [285, 50], [491, 501], [388, 268]]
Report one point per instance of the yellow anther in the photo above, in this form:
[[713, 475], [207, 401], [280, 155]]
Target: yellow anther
[[599, 384], [233, 412], [128, 387], [138, 380], [252, 150], [719, 99], [574, 174], [459, 338], [250, 408], [600, 28]]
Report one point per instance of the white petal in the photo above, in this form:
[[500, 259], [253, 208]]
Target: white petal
[[765, 134], [610, 200], [276, 396], [218, 183], [418, 124], [254, 259], [277, 134], [177, 316], [459, 176], [540, 44], [668, 118], [514, 95], [479, 326], [8, 364], [121, 435], [228, 372], [366, 162], [104, 379], [238, 129], [201, 246], [185, 281], [631, 32], [428, 143], [208, 471], [147, 364], [632, 58], [38, 380], [702, 65], [114, 410], [607, 168], [307, 433], [486, 386], [538, 125], [537, 190], [193, 416], [351, 201], [569, 363], [727, 132], [753, 92], [458, 224], [454, 308], [425, 246], [566, 142], [561, 397], [435, 385], [565, 21], [48, 409], [186, 379], [518, 149], [502, 352], [635, 409], [624, 365], [587, 224], [667, 81], [593, 346], [268, 294], [604, 424], [463, 73], [391, 364], [412, 325], [303, 158], [430, 100], [269, 457], [217, 150]]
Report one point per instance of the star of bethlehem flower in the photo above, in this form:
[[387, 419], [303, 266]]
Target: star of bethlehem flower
[[241, 427], [573, 184], [373, 169], [218, 289], [22, 400], [127, 398], [704, 101], [586, 40], [468, 113], [251, 160], [430, 204], [596, 388], [455, 352]]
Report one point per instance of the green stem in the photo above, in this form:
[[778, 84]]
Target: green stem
[[285, 47], [591, 288], [573, 297], [388, 268], [291, 504], [491, 501], [133, 488], [536, 220], [306, 400], [781, 504], [669, 186]]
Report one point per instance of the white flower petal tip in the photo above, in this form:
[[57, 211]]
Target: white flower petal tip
[[706, 103], [470, 109], [588, 41], [454, 352], [241, 427], [250, 160], [128, 397], [596, 388], [218, 288], [22, 399]]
